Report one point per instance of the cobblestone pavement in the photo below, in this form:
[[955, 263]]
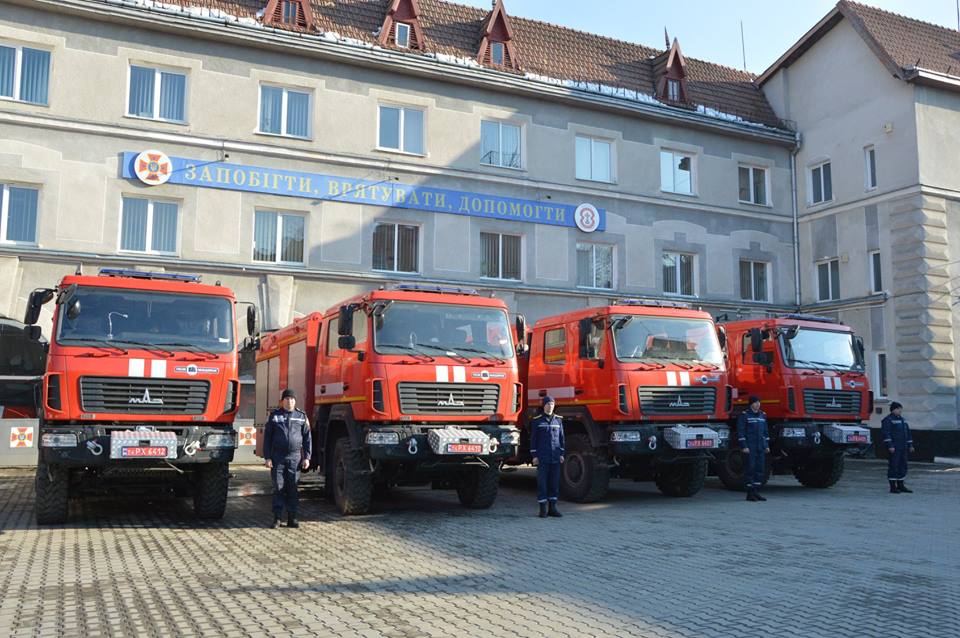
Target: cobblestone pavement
[[849, 561]]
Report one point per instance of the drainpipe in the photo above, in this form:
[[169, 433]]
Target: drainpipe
[[796, 219]]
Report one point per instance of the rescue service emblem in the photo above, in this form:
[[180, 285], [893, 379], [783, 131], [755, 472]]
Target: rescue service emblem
[[587, 217], [193, 370], [153, 168], [486, 374]]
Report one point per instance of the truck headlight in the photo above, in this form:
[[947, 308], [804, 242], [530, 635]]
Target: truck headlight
[[58, 440], [383, 438], [624, 436], [221, 440], [510, 437], [723, 433]]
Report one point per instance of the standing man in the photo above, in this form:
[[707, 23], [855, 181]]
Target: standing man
[[896, 436], [546, 448], [755, 444], [287, 449]]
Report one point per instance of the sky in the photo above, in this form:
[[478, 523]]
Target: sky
[[710, 29]]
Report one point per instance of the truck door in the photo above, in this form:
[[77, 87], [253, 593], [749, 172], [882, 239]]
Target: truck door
[[589, 378], [556, 364], [268, 394]]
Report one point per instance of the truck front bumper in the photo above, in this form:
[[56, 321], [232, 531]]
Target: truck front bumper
[[89, 445], [631, 440], [807, 436], [405, 445]]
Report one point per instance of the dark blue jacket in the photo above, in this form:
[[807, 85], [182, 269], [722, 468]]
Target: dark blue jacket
[[286, 435], [896, 432], [546, 438], [752, 430]]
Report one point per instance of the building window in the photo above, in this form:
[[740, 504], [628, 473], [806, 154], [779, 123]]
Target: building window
[[594, 161], [500, 256], [555, 346], [753, 280], [24, 74], [290, 11], [402, 35], [395, 248], [278, 238], [18, 214], [678, 274], [284, 111], [401, 129], [595, 266], [821, 183], [880, 381], [876, 277], [157, 94], [673, 90], [497, 53], [869, 167], [148, 226], [753, 185], [676, 172], [828, 278], [500, 144]]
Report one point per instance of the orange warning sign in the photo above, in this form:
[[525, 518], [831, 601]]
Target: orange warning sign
[[248, 435], [21, 437]]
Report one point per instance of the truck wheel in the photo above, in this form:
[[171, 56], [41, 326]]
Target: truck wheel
[[211, 482], [584, 475], [682, 479], [819, 472], [479, 488], [352, 484], [52, 485], [730, 466]]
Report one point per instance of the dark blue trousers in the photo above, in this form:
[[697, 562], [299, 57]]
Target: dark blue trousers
[[897, 468], [754, 468], [548, 482], [285, 474]]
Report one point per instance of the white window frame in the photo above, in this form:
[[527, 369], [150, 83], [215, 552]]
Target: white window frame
[[283, 13], [149, 238], [766, 184], [830, 293], [157, 78], [278, 248], [695, 278], [873, 271], [876, 372], [403, 114], [693, 171], [5, 214], [673, 90], [18, 72], [593, 265], [396, 35], [612, 159], [810, 170], [283, 111], [870, 167], [396, 247], [500, 237], [753, 283], [495, 46], [523, 150]]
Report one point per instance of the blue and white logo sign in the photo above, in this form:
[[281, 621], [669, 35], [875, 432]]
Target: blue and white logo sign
[[587, 218]]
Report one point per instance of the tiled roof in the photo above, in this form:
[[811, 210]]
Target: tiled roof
[[544, 50]]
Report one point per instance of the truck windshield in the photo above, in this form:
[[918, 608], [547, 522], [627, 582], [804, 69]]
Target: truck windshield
[[820, 348], [437, 329], [639, 338], [131, 318]]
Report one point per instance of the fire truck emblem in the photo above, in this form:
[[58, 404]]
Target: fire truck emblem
[[152, 168], [679, 403], [450, 402], [146, 399]]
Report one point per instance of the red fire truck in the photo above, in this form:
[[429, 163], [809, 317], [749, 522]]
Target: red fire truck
[[410, 385], [140, 389], [23, 357], [642, 389], [809, 374]]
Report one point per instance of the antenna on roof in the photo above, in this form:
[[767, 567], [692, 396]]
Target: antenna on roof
[[743, 45], [666, 37]]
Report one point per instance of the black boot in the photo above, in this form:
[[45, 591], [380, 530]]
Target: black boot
[[292, 521], [751, 494], [758, 495], [894, 487], [543, 510], [553, 510], [276, 522], [903, 488]]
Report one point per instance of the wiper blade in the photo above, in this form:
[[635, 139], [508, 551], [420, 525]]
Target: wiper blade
[[144, 345], [103, 343], [807, 363], [177, 344], [483, 353], [401, 346]]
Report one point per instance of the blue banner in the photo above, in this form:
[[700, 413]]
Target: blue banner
[[154, 168]]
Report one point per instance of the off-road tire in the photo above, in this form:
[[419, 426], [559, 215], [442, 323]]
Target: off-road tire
[[584, 474], [350, 480], [729, 469], [479, 488], [819, 472], [52, 485], [682, 479], [210, 486]]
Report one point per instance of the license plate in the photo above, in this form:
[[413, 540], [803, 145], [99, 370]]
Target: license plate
[[144, 452], [464, 448], [794, 432], [699, 443], [857, 438]]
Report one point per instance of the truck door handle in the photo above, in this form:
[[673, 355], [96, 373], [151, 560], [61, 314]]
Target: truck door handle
[[323, 389], [578, 390]]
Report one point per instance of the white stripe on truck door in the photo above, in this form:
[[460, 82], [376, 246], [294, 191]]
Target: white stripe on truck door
[[135, 368]]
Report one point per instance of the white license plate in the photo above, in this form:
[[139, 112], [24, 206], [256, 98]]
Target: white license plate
[[794, 433]]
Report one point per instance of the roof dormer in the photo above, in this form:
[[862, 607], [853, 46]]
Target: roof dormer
[[672, 76], [496, 43], [290, 14], [401, 26]]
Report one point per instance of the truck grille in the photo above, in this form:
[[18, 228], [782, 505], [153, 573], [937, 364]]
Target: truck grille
[[831, 402], [130, 395], [677, 400], [448, 398]]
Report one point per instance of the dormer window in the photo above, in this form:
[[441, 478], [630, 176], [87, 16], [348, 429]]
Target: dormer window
[[673, 90], [497, 53], [402, 36], [290, 11]]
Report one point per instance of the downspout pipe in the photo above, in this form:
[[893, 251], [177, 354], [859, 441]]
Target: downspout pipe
[[796, 219]]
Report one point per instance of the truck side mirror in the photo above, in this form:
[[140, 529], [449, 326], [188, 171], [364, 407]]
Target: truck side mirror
[[347, 342], [251, 320], [73, 308], [522, 346], [345, 323], [34, 333], [756, 339], [250, 343], [790, 332], [763, 358], [34, 303], [586, 325], [722, 337], [861, 351]]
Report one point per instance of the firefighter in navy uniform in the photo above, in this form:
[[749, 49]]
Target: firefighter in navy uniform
[[546, 448], [287, 448], [755, 444], [899, 442]]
